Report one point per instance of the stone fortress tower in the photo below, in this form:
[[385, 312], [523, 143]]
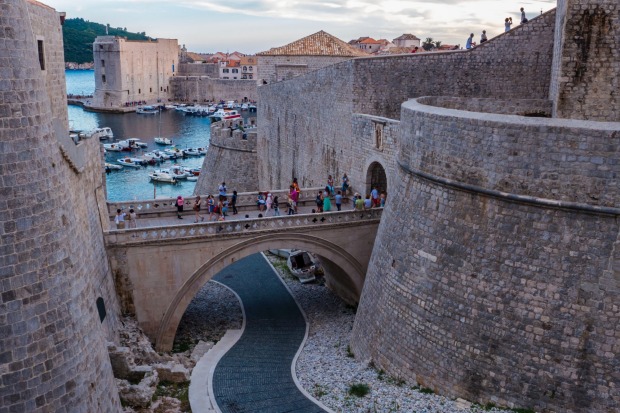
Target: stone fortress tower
[[133, 71], [57, 302], [494, 275]]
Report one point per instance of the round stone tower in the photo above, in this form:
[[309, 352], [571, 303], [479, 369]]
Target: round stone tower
[[53, 354]]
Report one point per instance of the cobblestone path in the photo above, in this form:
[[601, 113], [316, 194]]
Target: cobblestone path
[[255, 375]]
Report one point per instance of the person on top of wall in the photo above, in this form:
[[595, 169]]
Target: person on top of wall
[[507, 24], [468, 43], [523, 18], [483, 36]]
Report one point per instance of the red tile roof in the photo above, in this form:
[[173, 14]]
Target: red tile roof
[[317, 44]]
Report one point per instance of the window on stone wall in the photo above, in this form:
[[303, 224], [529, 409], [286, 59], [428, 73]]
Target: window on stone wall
[[379, 135], [103, 78], [101, 309], [102, 63], [150, 90], [41, 54], [250, 76], [139, 91], [235, 70], [245, 68]]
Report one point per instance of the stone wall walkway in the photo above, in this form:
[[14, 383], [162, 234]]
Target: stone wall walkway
[[255, 375]]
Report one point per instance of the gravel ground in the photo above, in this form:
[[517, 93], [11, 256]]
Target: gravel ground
[[213, 310], [327, 369]]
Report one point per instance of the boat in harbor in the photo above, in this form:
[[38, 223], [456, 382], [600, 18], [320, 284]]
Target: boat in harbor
[[135, 143], [130, 162], [102, 133], [303, 265], [162, 141], [222, 114], [192, 152], [147, 110], [177, 171], [112, 166], [114, 147], [163, 176]]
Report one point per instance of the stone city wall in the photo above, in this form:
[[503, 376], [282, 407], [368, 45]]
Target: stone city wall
[[203, 88], [515, 65], [132, 71], [273, 69], [588, 60], [199, 69], [565, 160], [230, 158], [501, 285], [521, 107], [306, 126], [53, 353]]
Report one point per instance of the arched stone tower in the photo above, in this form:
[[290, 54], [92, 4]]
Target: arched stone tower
[[53, 268]]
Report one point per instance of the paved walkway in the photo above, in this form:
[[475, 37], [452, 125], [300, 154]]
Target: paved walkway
[[255, 374]]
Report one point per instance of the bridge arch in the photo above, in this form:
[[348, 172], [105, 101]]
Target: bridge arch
[[350, 266]]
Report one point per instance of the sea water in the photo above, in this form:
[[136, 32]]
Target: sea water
[[130, 184]]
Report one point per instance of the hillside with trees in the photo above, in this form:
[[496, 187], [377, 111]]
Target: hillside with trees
[[79, 35]]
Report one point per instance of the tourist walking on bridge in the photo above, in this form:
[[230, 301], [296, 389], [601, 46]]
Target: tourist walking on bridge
[[327, 202], [179, 205], [234, 203], [330, 184], [196, 208], [345, 183], [276, 207]]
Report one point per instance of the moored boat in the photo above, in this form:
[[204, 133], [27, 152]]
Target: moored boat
[[112, 166], [162, 141], [147, 110], [222, 114], [102, 133], [163, 176], [131, 162]]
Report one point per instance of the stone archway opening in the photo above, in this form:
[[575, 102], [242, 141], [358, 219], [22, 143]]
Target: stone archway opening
[[345, 278], [376, 178]]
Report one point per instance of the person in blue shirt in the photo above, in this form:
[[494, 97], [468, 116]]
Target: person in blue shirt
[[338, 199], [468, 44]]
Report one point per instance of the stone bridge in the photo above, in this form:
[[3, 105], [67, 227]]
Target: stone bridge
[[159, 269]]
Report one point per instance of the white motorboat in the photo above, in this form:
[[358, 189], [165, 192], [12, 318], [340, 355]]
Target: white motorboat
[[135, 143], [163, 155], [302, 265], [174, 152], [192, 178], [147, 110], [244, 106], [112, 166], [102, 133], [192, 152], [222, 114], [131, 162], [154, 156], [162, 141], [113, 147], [203, 151], [163, 176], [177, 171]]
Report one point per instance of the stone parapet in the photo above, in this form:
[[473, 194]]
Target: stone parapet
[[564, 160], [205, 88]]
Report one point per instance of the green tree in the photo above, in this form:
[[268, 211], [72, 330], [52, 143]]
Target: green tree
[[428, 44], [79, 35]]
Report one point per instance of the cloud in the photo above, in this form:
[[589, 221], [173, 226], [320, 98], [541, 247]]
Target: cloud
[[277, 22]]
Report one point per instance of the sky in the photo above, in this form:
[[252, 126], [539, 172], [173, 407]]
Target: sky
[[252, 26]]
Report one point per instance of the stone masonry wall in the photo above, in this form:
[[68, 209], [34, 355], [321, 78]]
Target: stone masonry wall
[[565, 160], [53, 267], [306, 128], [515, 65], [485, 291], [203, 88], [273, 69], [588, 78], [230, 159], [211, 70]]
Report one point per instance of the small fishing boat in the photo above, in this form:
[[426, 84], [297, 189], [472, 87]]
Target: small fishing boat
[[203, 151], [154, 156], [177, 171], [302, 265], [192, 178], [174, 152], [102, 133], [130, 162], [112, 166], [147, 110], [192, 152], [222, 114], [113, 147], [162, 141], [163, 176], [135, 143]]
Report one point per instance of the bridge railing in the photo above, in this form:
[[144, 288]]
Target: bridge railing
[[243, 226], [166, 206]]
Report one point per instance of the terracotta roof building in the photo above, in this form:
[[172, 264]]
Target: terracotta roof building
[[407, 40], [307, 54]]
